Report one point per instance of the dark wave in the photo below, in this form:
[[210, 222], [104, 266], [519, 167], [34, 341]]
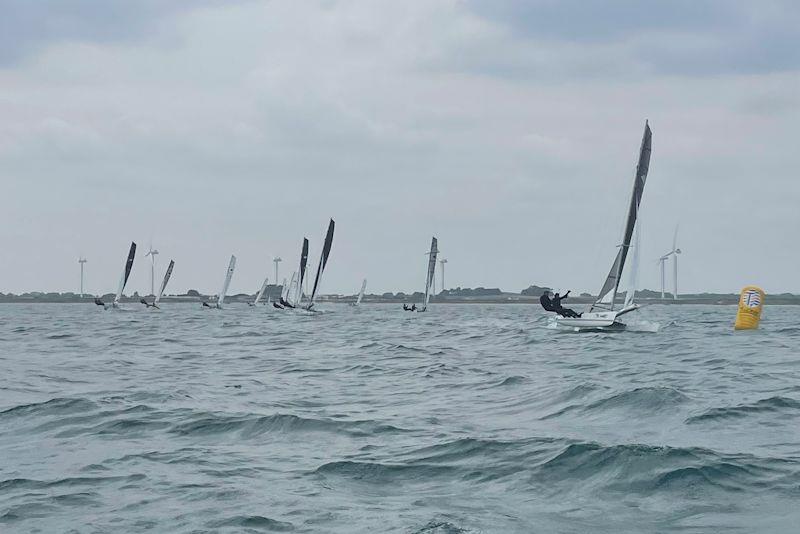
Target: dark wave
[[256, 522], [650, 469], [440, 527], [33, 484], [380, 473], [58, 406], [647, 399], [771, 405], [250, 426]]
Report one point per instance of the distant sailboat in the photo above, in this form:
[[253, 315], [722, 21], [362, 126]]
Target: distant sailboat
[[221, 299], [277, 304], [602, 315], [360, 294], [167, 275], [323, 261], [292, 294], [260, 292], [428, 279], [126, 272]]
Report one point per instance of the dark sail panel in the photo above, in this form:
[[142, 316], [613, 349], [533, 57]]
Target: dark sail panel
[[129, 263], [303, 262], [642, 167], [323, 260], [166, 279]]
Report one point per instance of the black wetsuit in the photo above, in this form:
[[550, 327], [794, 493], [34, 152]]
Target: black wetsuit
[[546, 303], [564, 312]]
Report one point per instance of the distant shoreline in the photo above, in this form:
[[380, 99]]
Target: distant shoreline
[[718, 300]]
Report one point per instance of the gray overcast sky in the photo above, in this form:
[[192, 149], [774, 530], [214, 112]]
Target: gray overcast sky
[[509, 129]]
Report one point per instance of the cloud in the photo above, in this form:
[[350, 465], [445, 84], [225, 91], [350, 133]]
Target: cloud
[[241, 128], [685, 37]]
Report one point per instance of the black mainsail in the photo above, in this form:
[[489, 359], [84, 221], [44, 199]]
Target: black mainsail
[[303, 262], [323, 260], [611, 284], [126, 272]]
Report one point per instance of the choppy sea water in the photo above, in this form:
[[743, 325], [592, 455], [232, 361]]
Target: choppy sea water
[[464, 419]]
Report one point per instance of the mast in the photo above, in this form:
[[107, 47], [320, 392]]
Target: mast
[[164, 283], [431, 269], [611, 284], [126, 272], [633, 270], [323, 260], [228, 276]]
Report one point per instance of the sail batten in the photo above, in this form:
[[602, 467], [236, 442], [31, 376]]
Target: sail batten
[[611, 284]]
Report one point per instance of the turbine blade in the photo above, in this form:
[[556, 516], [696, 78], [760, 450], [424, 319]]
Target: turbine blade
[[675, 239]]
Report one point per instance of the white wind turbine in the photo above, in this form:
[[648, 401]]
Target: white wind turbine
[[663, 260], [152, 253], [81, 261]]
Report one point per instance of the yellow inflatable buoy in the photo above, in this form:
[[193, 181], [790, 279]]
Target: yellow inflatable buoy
[[751, 301]]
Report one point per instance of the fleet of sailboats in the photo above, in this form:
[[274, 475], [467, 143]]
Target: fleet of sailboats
[[603, 314]]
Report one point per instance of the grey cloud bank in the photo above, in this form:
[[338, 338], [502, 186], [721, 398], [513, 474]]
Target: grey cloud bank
[[507, 129]]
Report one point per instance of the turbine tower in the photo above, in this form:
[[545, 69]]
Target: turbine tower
[[81, 261], [663, 260], [276, 261], [152, 253], [442, 262]]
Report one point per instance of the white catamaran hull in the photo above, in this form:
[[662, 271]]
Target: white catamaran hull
[[601, 320]]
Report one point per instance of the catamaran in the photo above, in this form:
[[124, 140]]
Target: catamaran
[[163, 287], [126, 272], [323, 261], [293, 293], [260, 292], [360, 294], [224, 292], [277, 304], [429, 279], [602, 314]]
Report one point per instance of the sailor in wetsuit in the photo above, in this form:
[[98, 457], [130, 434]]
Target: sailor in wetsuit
[[545, 301], [564, 312]]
